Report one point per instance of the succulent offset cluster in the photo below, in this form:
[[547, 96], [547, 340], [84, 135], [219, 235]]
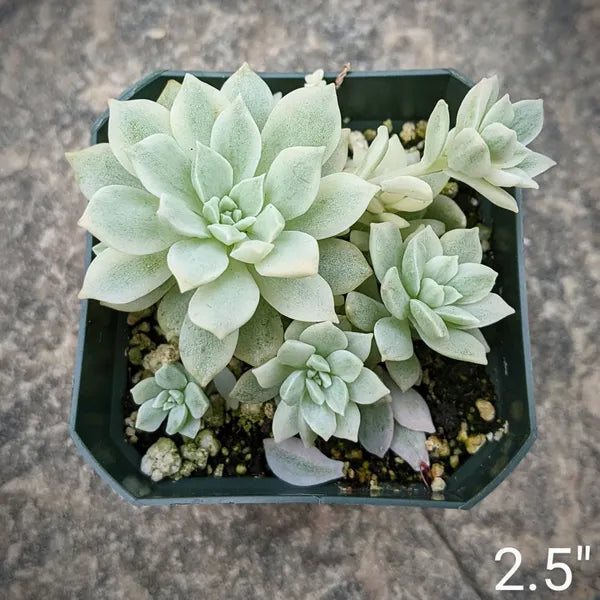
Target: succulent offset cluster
[[237, 210]]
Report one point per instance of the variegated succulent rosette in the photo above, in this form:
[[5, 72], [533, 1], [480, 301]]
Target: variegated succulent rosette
[[264, 231]]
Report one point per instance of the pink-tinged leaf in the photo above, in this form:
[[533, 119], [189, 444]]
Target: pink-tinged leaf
[[294, 463], [376, 427], [410, 446], [411, 410]]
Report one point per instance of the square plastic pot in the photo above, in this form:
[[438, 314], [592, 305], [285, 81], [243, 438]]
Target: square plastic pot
[[101, 371]]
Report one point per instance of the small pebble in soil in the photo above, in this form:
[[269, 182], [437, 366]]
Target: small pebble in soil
[[486, 409]]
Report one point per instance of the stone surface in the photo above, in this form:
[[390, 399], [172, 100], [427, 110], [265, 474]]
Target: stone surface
[[64, 533]]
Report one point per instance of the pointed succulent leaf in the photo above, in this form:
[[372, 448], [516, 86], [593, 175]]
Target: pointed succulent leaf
[[295, 353], [463, 243], [359, 344], [342, 265], [336, 395], [376, 427], [431, 293], [385, 247], [285, 422], [319, 417], [341, 200], [363, 312], [294, 329], [411, 410], [254, 92], [177, 418], [226, 234], [163, 168], [394, 295], [458, 344], [410, 446], [393, 339], [304, 299], [451, 296], [422, 247], [367, 388], [457, 317], [195, 262], [374, 154], [225, 382], [170, 377], [247, 390], [443, 268], [436, 181], [96, 167], [236, 138], [149, 418], [438, 126], [249, 195], [345, 365], [251, 251], [487, 311], [473, 281], [501, 141], [394, 159], [414, 188], [468, 153], [315, 393], [307, 116], [337, 161], [196, 400], [269, 224], [125, 218], [405, 373], [348, 424], [535, 163], [130, 122], [191, 427], [169, 93], [261, 337], [513, 177], [429, 322], [475, 104], [212, 175], [120, 278], [528, 120], [272, 373], [501, 112], [292, 181], [293, 388], [225, 304], [145, 390], [145, 301], [203, 354], [447, 211], [494, 194], [294, 254], [194, 112], [175, 212], [294, 463], [324, 337], [418, 224], [171, 312]]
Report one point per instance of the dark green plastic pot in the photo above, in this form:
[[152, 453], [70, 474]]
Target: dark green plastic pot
[[101, 371]]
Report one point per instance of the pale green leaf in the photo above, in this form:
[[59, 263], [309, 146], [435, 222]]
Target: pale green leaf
[[212, 175], [145, 390], [535, 163], [458, 344], [405, 373], [345, 365], [337, 161], [494, 194], [177, 418], [376, 427], [363, 312], [319, 417], [293, 388], [342, 265], [347, 426], [468, 153], [295, 353], [294, 254], [447, 211], [249, 195], [385, 247], [438, 126], [367, 388], [149, 418], [473, 281], [269, 224], [196, 400], [247, 390], [462, 243], [393, 339], [393, 294], [285, 422], [175, 212], [251, 251], [501, 141], [169, 93], [528, 120], [146, 301], [410, 446], [428, 321], [325, 337], [359, 344], [171, 312], [336, 395], [170, 377], [488, 310], [272, 373], [443, 268], [411, 410]]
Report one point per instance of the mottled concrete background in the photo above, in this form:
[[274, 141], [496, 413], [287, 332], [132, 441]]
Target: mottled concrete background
[[64, 533]]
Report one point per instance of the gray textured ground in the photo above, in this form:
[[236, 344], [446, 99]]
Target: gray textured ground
[[64, 533]]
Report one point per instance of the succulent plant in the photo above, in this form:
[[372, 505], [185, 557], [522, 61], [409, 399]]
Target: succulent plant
[[321, 380], [171, 394], [223, 193], [487, 148], [431, 287]]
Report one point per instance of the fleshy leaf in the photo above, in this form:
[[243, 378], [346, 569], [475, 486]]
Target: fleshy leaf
[[247, 390], [422, 247], [457, 317], [385, 246], [196, 400], [304, 299], [203, 354], [149, 418], [195, 262], [429, 322], [490, 309], [367, 388], [294, 254], [96, 167], [120, 278], [347, 426], [269, 224], [341, 200], [225, 382], [501, 141], [376, 427], [296, 464], [359, 344], [272, 373], [363, 312], [374, 154], [494, 194], [293, 388], [145, 390], [463, 243], [473, 281], [251, 251], [169, 93], [285, 422], [130, 122], [394, 295], [236, 137], [342, 265], [194, 112], [249, 195], [447, 211], [468, 153], [170, 377], [475, 104], [410, 446], [254, 92], [146, 301], [292, 181], [528, 120], [125, 219], [336, 395], [261, 336], [225, 304], [177, 418], [307, 116], [535, 163], [405, 373], [171, 312], [163, 168], [458, 344], [295, 353], [175, 211], [437, 131], [393, 339], [345, 365], [336, 162], [411, 410], [325, 337], [212, 175], [319, 417]]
